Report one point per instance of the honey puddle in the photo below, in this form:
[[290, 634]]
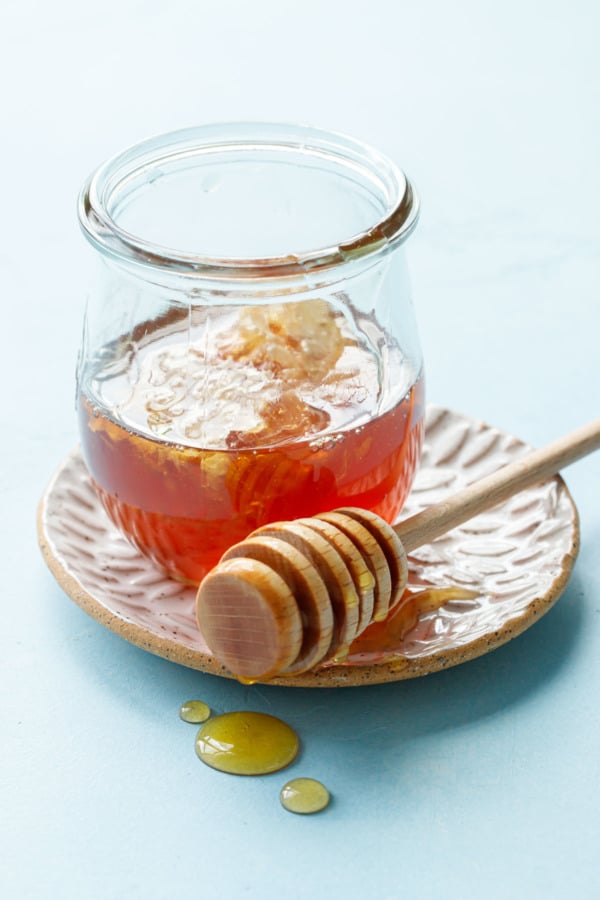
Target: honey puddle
[[247, 743]]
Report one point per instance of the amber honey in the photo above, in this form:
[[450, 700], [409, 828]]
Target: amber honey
[[247, 743], [279, 415], [304, 796]]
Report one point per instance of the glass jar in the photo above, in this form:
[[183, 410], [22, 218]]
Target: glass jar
[[249, 351]]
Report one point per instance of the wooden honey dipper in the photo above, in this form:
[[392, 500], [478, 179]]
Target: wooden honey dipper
[[295, 594]]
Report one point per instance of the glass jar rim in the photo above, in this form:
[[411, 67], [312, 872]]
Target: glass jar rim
[[387, 232]]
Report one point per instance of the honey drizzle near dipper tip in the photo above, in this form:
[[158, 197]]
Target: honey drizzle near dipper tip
[[276, 606]]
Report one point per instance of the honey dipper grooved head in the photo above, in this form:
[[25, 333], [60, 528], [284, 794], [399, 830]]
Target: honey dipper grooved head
[[296, 594], [334, 572], [249, 618], [389, 542], [305, 585], [368, 547]]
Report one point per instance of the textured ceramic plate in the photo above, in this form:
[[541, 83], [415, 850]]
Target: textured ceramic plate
[[507, 566]]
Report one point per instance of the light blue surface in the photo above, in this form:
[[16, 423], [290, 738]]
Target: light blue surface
[[481, 781]]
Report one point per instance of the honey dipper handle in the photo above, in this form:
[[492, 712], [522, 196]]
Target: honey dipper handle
[[499, 486]]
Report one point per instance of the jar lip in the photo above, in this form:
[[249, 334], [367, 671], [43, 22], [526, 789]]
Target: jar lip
[[389, 230]]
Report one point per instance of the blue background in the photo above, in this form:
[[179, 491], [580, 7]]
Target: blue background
[[481, 781]]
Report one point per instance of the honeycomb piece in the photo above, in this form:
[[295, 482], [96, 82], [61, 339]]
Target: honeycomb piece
[[285, 419], [300, 342]]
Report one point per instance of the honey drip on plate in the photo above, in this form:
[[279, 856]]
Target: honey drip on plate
[[384, 637], [304, 795], [246, 743]]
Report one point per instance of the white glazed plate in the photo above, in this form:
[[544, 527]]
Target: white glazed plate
[[507, 566]]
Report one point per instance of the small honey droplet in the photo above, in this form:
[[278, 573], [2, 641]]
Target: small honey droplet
[[194, 711], [304, 795], [247, 743]]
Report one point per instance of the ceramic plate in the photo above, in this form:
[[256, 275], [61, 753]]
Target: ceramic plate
[[505, 568]]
